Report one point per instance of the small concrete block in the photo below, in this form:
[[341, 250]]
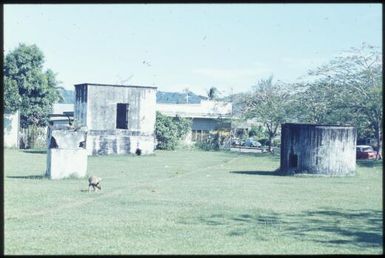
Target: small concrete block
[[67, 154], [68, 163]]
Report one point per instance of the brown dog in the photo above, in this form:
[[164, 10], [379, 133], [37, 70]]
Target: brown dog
[[94, 182]]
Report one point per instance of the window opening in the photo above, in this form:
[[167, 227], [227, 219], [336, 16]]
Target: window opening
[[122, 116]]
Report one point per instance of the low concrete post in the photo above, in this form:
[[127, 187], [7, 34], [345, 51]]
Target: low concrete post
[[67, 153]]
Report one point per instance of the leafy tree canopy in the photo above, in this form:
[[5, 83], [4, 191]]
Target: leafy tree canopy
[[269, 103], [27, 87], [347, 90], [213, 93]]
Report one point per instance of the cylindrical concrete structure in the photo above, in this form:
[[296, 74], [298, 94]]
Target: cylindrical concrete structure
[[318, 149]]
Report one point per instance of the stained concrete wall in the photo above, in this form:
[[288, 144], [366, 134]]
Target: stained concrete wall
[[11, 130], [67, 154], [96, 107], [318, 149], [80, 112], [105, 142]]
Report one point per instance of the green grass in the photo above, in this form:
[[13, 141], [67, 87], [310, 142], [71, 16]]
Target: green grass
[[189, 202]]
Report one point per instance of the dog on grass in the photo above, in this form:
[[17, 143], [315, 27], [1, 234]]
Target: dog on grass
[[94, 183]]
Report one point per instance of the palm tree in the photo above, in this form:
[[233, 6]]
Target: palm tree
[[213, 93]]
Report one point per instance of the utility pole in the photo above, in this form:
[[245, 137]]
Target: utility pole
[[186, 90]]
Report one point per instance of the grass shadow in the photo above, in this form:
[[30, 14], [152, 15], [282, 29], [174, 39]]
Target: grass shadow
[[257, 173], [34, 177], [370, 163], [328, 226], [36, 151]]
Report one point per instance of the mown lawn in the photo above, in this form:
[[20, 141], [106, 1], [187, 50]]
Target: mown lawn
[[190, 202]]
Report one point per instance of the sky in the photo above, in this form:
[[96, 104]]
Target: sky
[[189, 46]]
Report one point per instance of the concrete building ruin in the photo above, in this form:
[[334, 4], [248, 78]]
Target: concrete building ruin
[[67, 154], [120, 118], [318, 149]]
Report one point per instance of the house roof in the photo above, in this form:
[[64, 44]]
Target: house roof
[[205, 109], [60, 108], [115, 85]]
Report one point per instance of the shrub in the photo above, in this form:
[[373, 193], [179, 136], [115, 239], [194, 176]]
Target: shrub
[[264, 141], [211, 143], [215, 141], [258, 132], [169, 130]]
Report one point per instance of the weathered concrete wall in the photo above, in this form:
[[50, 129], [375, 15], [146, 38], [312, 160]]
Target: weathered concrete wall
[[98, 112], [80, 112], [11, 130], [67, 154], [102, 101], [67, 163], [318, 149], [106, 142]]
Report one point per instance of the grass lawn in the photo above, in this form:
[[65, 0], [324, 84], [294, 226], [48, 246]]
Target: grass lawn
[[190, 202]]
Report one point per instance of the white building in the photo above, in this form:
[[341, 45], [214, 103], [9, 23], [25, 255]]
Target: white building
[[206, 116], [11, 130]]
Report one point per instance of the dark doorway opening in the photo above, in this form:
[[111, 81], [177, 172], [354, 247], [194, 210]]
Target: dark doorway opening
[[293, 160], [52, 143], [122, 116]]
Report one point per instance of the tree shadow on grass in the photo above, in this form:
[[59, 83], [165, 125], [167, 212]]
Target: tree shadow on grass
[[370, 163], [326, 226], [258, 173], [34, 177], [36, 151]]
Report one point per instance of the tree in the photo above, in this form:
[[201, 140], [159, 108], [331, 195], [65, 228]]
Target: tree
[[213, 93], [268, 104], [12, 98], [352, 84], [258, 132], [169, 130], [27, 87]]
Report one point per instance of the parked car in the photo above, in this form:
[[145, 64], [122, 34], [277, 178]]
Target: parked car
[[365, 152], [252, 143], [236, 142]]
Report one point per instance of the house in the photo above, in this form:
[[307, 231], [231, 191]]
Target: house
[[11, 130], [206, 116], [120, 118], [62, 114]]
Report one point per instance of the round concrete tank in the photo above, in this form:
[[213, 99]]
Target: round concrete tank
[[318, 149]]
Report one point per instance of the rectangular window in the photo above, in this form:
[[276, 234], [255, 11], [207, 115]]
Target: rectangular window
[[122, 116]]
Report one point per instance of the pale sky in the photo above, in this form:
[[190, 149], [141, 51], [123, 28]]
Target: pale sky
[[195, 46]]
